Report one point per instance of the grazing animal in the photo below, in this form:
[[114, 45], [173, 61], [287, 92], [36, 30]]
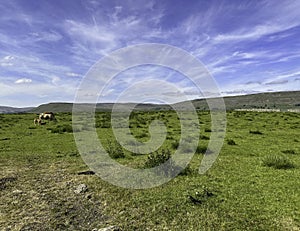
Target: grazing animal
[[38, 122], [47, 116]]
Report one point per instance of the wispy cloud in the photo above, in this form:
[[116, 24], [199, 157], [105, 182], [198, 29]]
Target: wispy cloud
[[23, 80], [72, 74], [44, 36], [284, 77], [252, 34], [282, 81], [247, 46]]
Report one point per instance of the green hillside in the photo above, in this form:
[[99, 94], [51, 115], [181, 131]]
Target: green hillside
[[272, 100]]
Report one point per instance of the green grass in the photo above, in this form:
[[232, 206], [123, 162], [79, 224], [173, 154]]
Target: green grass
[[39, 173], [278, 162]]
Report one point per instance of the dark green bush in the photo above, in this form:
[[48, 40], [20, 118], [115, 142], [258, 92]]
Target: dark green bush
[[201, 149], [158, 158], [278, 161], [203, 137], [201, 196], [187, 171], [175, 144], [207, 130], [142, 135], [231, 142], [186, 148], [115, 150], [289, 151], [62, 128], [103, 124], [256, 132]]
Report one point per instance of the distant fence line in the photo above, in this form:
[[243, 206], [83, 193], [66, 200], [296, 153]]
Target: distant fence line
[[268, 110]]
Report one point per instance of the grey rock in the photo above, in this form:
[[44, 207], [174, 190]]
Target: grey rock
[[17, 191], [109, 228], [80, 189]]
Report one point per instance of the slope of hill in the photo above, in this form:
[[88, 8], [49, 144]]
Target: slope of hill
[[54, 107], [8, 110], [273, 100], [67, 107]]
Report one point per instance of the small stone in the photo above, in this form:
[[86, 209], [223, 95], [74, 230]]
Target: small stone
[[110, 228], [80, 189], [17, 191]]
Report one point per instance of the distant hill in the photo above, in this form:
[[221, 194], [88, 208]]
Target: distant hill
[[9, 110], [67, 107], [272, 100], [53, 107]]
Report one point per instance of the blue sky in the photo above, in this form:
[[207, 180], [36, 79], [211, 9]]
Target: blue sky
[[46, 47]]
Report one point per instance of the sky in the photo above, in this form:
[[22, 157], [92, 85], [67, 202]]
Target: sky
[[48, 46]]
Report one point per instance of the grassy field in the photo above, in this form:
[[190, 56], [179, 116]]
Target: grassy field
[[253, 185]]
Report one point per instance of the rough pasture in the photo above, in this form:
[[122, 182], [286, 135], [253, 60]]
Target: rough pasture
[[42, 185]]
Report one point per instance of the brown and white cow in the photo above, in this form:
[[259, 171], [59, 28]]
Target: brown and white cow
[[38, 122], [47, 116]]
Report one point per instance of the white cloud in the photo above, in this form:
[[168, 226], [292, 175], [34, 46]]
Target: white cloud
[[8, 57], [7, 61], [90, 33], [35, 92], [3, 64], [272, 20], [252, 34], [212, 32], [282, 78], [72, 74], [23, 80], [45, 36], [297, 73], [239, 92], [35, 67], [55, 80], [281, 81]]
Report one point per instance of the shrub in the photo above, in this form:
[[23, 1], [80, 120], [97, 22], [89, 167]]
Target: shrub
[[203, 137], [256, 132], [289, 151], [115, 150], [77, 129], [201, 196], [278, 161], [142, 135], [203, 149], [187, 171], [186, 147], [175, 144], [62, 128], [103, 124], [158, 158], [207, 130], [231, 142]]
